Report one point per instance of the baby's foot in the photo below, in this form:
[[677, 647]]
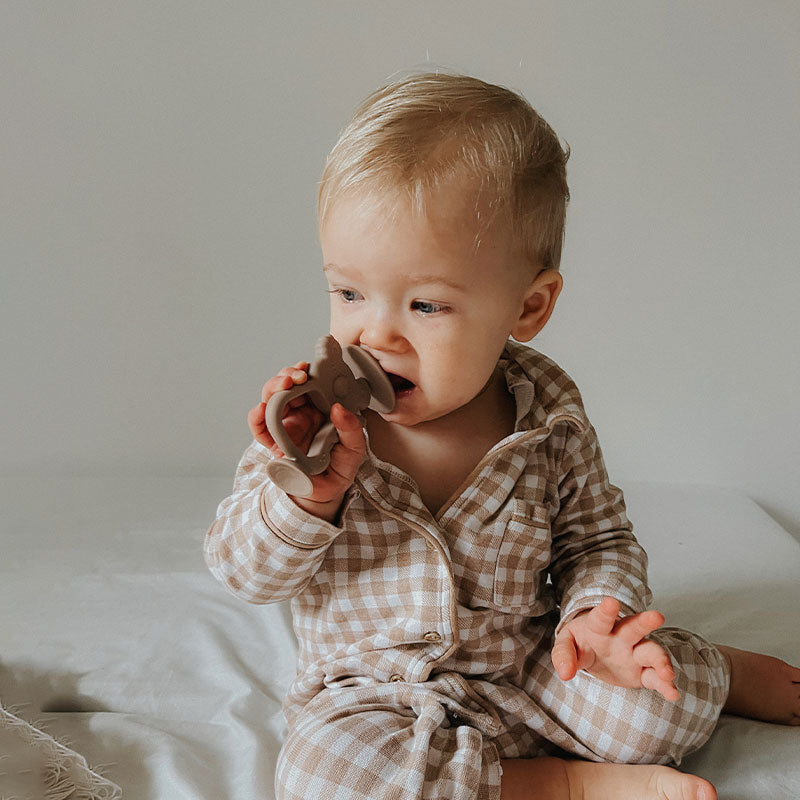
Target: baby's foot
[[589, 781], [565, 779], [762, 687]]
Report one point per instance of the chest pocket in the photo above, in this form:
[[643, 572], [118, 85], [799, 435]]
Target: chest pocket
[[523, 556]]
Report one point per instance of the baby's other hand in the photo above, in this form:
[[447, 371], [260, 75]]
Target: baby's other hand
[[614, 650], [301, 418]]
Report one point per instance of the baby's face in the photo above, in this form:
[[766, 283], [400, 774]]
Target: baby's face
[[415, 292]]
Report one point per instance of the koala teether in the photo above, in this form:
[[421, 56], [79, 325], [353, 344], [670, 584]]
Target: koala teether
[[350, 376]]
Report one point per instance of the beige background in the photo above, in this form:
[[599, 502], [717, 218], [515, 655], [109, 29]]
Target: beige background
[[158, 168]]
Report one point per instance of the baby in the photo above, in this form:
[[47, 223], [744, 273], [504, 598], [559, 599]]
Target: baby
[[469, 598]]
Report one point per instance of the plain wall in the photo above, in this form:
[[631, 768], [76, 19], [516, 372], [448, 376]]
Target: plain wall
[[158, 179]]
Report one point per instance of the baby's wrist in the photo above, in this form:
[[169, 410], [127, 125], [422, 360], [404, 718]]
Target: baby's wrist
[[327, 510]]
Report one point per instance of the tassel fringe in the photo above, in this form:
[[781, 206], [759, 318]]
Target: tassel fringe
[[34, 760]]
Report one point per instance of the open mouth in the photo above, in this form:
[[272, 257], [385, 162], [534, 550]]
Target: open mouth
[[399, 383]]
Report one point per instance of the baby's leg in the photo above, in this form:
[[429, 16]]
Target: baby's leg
[[762, 687], [393, 742], [600, 722], [531, 779], [412, 751]]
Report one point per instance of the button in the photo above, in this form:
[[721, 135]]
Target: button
[[395, 678], [432, 636]]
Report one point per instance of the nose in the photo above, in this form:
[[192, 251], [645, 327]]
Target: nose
[[381, 331]]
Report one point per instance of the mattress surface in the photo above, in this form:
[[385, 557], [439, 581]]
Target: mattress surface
[[114, 636]]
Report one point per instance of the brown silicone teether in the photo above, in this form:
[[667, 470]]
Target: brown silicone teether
[[351, 377]]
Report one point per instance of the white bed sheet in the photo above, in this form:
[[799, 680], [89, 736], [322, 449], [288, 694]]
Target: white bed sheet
[[114, 635]]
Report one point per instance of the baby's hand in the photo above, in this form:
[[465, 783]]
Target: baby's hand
[[615, 650], [301, 421]]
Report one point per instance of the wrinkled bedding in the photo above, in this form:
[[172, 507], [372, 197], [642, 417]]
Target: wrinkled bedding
[[116, 639]]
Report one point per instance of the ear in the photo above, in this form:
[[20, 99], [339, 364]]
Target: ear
[[537, 304]]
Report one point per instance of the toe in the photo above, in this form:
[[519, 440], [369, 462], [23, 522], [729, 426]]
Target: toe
[[670, 784], [705, 791]]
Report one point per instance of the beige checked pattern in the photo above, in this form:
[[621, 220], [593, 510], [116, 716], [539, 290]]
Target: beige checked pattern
[[404, 617]]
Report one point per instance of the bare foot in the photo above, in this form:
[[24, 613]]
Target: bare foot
[[762, 687], [559, 779], [636, 782]]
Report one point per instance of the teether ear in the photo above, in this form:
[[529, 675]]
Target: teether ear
[[288, 475], [363, 365]]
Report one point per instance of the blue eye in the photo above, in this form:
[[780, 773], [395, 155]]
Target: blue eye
[[347, 295], [426, 307]]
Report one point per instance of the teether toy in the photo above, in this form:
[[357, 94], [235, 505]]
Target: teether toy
[[350, 376]]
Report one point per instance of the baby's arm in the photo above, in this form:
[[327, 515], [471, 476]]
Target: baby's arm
[[594, 556], [594, 553], [264, 545]]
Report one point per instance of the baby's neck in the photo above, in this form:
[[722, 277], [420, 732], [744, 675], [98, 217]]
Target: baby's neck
[[441, 453]]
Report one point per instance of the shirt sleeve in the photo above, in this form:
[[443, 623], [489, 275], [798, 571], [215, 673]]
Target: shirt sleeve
[[262, 546], [594, 551]]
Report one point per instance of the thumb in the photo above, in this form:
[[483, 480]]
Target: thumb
[[348, 453], [565, 656], [603, 617], [348, 426]]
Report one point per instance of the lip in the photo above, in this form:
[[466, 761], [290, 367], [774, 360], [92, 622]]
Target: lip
[[404, 402], [400, 382]]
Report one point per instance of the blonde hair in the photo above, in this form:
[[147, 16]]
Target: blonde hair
[[421, 133]]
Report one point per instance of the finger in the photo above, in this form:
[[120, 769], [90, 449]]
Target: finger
[[651, 654], [601, 619], [258, 427], [346, 455], [300, 366], [285, 379], [636, 627], [279, 383], [666, 689], [565, 656], [297, 375], [349, 452], [347, 424]]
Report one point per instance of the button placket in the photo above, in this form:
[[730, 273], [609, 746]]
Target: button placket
[[443, 610]]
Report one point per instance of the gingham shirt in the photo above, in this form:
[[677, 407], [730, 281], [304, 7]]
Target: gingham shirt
[[394, 593]]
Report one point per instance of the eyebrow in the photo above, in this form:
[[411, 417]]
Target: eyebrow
[[419, 280]]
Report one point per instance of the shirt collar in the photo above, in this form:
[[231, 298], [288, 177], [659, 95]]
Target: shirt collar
[[542, 391]]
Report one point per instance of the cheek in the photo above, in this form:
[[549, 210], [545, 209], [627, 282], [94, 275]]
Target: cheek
[[338, 324], [464, 366], [476, 356]]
